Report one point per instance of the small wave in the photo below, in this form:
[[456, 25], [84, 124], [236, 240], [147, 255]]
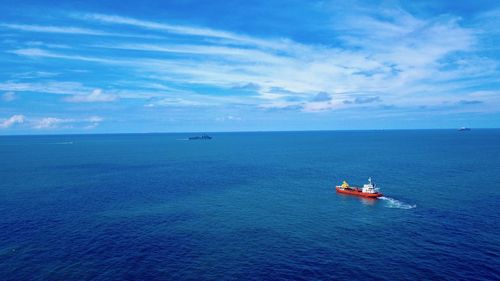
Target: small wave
[[393, 203], [64, 142]]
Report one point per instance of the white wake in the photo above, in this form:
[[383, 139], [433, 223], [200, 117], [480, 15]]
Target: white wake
[[393, 203]]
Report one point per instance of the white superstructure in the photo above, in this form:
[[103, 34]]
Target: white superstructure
[[369, 187]]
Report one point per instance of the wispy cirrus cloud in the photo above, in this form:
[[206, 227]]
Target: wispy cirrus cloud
[[243, 54], [382, 58], [303, 68], [55, 29], [52, 87], [96, 95], [183, 29], [41, 53], [34, 75], [70, 30]]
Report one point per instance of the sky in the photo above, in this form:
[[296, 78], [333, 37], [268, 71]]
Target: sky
[[203, 66]]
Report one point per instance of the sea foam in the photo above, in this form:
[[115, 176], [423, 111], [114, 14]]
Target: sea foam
[[393, 203]]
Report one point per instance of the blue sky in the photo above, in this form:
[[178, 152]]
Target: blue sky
[[149, 66]]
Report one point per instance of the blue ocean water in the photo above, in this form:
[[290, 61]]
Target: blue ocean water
[[250, 206]]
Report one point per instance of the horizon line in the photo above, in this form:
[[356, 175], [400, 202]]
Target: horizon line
[[250, 131]]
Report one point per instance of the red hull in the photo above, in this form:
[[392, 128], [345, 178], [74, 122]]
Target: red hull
[[357, 192]]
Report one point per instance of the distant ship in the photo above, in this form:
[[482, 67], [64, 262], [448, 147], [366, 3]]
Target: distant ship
[[368, 190], [202, 137], [464, 129]]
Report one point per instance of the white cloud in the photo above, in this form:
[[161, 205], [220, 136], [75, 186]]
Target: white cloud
[[14, 119], [82, 91], [66, 123], [95, 119], [228, 118], [68, 30], [94, 122], [401, 57], [35, 74], [245, 54], [51, 123], [9, 96], [95, 96], [66, 88], [54, 29], [176, 102], [36, 52], [48, 45], [185, 30]]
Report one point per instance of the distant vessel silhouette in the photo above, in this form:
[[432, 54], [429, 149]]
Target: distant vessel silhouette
[[202, 137], [464, 129]]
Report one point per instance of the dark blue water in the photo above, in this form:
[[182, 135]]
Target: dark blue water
[[250, 206]]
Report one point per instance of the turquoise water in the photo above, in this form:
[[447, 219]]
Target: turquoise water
[[250, 206]]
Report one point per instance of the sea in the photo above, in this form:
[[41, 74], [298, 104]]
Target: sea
[[251, 206]]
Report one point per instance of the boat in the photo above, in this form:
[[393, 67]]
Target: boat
[[202, 137], [368, 190], [464, 129]]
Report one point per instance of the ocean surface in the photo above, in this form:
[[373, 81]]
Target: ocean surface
[[250, 206]]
